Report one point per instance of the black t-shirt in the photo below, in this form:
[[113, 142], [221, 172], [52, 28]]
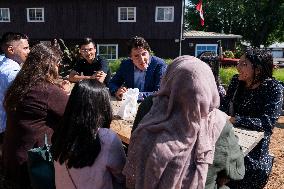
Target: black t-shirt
[[99, 64]]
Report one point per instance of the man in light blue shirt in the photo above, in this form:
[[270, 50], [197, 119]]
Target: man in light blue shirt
[[16, 49], [1, 57]]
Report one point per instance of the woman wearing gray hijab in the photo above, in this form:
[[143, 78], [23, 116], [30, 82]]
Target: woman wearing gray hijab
[[175, 141]]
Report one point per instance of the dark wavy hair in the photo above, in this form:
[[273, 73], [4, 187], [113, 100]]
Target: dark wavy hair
[[76, 142], [138, 42], [39, 68], [261, 59]]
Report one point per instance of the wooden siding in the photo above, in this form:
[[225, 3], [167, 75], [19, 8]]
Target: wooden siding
[[74, 19]]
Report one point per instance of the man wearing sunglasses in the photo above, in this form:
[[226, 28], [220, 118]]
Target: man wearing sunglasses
[[91, 66]]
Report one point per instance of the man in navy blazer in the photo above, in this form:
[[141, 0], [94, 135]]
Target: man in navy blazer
[[141, 71]]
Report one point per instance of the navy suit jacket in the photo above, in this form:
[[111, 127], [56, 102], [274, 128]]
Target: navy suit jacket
[[125, 76]]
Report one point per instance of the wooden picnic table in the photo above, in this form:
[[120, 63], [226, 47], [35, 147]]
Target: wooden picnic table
[[281, 120], [248, 139]]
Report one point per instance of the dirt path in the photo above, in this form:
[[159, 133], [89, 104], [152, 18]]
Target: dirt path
[[276, 180]]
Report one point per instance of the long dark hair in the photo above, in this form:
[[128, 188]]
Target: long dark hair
[[261, 59], [76, 142], [40, 67]]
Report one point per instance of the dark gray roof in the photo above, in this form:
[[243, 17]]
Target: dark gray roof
[[203, 34]]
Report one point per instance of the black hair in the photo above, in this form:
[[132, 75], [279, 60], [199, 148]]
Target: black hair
[[86, 41], [76, 141], [8, 37], [261, 59], [138, 42]]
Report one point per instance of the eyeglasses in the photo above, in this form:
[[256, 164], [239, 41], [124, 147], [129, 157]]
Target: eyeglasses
[[86, 50]]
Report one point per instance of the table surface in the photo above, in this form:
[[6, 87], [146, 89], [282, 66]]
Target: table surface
[[281, 120], [247, 139]]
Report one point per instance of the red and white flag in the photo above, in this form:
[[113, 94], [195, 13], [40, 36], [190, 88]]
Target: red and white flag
[[200, 10]]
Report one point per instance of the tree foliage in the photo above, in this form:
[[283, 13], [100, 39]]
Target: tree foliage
[[260, 22]]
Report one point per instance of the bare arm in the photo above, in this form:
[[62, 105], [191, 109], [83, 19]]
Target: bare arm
[[75, 77]]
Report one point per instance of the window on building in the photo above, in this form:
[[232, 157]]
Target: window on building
[[164, 14], [35, 14], [108, 51], [126, 14], [199, 48], [4, 15]]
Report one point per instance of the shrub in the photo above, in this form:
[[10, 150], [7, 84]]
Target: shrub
[[239, 50], [226, 75], [228, 54], [279, 74], [168, 61], [114, 64]]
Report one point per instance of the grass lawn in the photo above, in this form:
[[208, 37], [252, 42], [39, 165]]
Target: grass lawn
[[227, 73], [279, 74]]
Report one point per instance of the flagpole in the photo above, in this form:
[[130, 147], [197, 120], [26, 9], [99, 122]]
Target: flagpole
[[181, 27]]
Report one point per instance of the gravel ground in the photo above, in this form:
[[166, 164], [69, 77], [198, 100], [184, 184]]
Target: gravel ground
[[276, 180]]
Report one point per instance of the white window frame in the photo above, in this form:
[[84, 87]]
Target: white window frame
[[164, 7], [36, 8], [119, 11], [207, 45], [107, 45], [8, 14]]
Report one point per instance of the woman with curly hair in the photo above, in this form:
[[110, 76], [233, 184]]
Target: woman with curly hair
[[87, 153], [34, 106], [254, 101]]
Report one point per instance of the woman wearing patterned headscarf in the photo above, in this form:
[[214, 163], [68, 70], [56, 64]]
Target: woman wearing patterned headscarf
[[254, 100], [175, 142]]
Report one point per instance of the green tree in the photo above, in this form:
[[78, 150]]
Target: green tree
[[260, 22]]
